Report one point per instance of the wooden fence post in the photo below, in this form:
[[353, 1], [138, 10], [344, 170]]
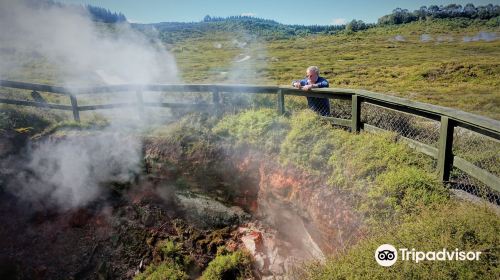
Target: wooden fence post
[[216, 101], [281, 102], [74, 104], [140, 104], [445, 153], [356, 114]]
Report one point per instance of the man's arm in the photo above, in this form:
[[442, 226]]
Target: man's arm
[[321, 83], [299, 84]]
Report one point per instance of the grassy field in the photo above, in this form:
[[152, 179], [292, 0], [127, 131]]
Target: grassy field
[[425, 61], [393, 187], [438, 62]]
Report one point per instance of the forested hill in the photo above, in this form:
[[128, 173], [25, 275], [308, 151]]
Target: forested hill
[[270, 29], [252, 26]]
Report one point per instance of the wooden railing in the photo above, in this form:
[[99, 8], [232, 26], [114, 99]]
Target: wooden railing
[[449, 118]]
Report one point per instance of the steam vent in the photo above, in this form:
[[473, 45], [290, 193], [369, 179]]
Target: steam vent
[[197, 150]]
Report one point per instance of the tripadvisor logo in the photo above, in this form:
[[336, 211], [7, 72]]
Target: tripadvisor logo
[[387, 255]]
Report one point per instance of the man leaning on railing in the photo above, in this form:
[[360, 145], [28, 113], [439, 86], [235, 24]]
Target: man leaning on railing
[[313, 80]]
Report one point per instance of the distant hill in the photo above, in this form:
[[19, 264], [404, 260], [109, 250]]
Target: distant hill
[[270, 29], [265, 28]]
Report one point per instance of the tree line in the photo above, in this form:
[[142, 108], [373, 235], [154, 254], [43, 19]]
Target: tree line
[[96, 13], [104, 15], [400, 16]]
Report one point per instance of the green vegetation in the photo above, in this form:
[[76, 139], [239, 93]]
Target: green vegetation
[[172, 264], [469, 11], [428, 61], [395, 190], [234, 265], [439, 61], [391, 186], [384, 178], [452, 225], [27, 119], [165, 270], [263, 128]]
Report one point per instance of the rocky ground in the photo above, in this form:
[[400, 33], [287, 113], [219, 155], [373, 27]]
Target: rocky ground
[[204, 201]]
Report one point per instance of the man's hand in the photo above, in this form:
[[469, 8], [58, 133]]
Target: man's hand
[[307, 87]]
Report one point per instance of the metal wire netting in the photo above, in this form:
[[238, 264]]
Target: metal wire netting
[[237, 102], [337, 108], [465, 185], [341, 109], [481, 151], [410, 126]]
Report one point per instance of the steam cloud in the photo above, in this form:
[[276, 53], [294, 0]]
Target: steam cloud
[[68, 172], [82, 52]]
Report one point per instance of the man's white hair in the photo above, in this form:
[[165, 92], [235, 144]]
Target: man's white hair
[[314, 69]]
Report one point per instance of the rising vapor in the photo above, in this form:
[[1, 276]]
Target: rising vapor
[[68, 172]]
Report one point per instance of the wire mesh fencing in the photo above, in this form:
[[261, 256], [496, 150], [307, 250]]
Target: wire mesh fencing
[[481, 151], [341, 108], [411, 126]]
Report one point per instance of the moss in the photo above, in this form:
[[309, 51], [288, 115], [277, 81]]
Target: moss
[[26, 120], [452, 225], [403, 191], [170, 250], [309, 142], [62, 127], [162, 271], [214, 240], [171, 265], [234, 265], [262, 128]]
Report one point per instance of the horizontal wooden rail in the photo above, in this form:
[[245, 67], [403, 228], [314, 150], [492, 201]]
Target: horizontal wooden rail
[[36, 87], [449, 118], [35, 104]]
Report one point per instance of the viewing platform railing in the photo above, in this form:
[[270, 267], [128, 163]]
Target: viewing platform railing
[[466, 147]]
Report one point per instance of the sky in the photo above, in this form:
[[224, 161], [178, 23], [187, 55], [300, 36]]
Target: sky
[[321, 12]]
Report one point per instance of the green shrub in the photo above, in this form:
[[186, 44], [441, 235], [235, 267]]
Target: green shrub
[[30, 120], [170, 250], [403, 191], [234, 265], [459, 225], [262, 128], [163, 271], [172, 265], [309, 142]]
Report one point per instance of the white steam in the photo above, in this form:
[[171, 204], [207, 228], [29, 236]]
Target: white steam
[[249, 65], [61, 45], [68, 172], [80, 48]]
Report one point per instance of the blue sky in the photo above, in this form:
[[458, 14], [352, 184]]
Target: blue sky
[[320, 12]]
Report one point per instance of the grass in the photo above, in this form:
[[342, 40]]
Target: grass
[[263, 128], [457, 74], [172, 264], [445, 71], [384, 178], [165, 270], [396, 192], [234, 265], [391, 186], [27, 119], [453, 225]]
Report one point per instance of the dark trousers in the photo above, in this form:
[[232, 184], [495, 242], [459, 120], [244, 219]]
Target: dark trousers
[[320, 105]]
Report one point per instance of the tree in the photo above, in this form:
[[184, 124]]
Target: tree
[[356, 25]]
